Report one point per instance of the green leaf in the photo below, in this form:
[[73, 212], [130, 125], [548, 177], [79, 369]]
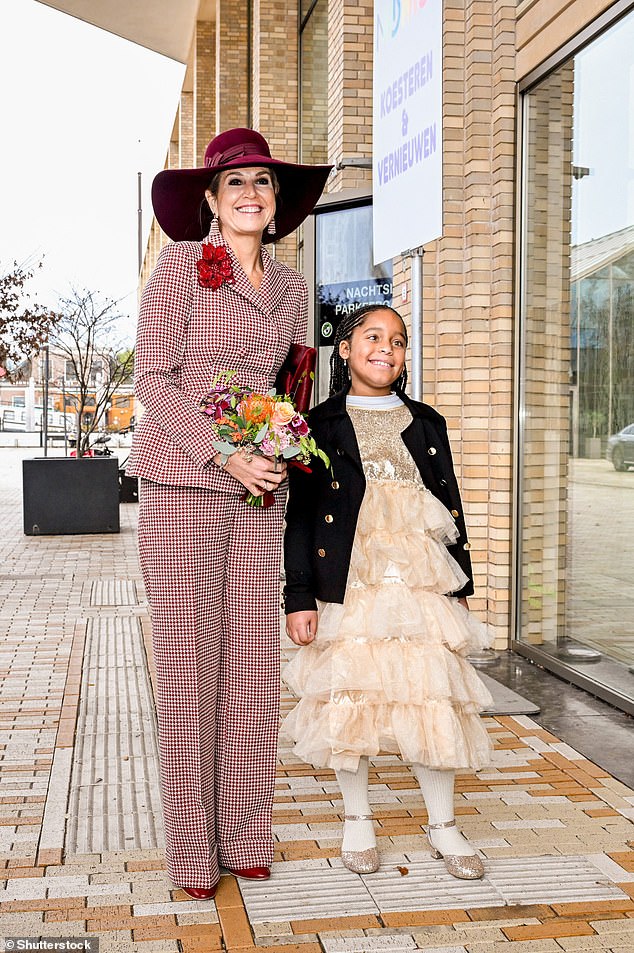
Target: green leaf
[[223, 446], [289, 452], [261, 434]]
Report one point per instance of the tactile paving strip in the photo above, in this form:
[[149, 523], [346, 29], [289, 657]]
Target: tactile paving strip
[[113, 592], [297, 892], [114, 795]]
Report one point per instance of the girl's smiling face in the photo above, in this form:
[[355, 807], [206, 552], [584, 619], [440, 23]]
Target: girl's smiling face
[[375, 353], [244, 202]]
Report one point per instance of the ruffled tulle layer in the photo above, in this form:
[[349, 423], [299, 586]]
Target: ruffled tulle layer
[[386, 671], [394, 611], [402, 532], [337, 733]]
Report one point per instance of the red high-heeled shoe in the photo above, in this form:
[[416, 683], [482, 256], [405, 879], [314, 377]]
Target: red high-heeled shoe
[[250, 873], [201, 893]]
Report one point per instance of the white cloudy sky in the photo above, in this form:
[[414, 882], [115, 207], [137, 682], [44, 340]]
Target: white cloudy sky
[[82, 113]]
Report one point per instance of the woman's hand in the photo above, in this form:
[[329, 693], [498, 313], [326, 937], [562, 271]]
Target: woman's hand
[[255, 472], [301, 627]]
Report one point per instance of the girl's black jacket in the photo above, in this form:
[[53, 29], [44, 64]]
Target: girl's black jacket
[[323, 505]]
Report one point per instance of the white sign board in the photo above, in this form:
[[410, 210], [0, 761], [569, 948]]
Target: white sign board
[[407, 125]]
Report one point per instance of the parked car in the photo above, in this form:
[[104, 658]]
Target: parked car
[[620, 449]]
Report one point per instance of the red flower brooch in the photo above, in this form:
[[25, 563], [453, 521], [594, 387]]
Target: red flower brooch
[[214, 268]]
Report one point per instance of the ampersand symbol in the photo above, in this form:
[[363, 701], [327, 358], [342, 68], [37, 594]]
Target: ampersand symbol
[[404, 122]]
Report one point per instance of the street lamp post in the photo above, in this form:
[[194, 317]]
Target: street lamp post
[[45, 401]]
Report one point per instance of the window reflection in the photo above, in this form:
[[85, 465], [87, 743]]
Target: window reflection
[[346, 277], [577, 365]]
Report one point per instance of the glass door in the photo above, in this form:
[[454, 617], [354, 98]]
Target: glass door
[[576, 423]]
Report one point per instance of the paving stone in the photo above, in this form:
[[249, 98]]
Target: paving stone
[[622, 927], [531, 811], [584, 944], [611, 869], [22, 924], [445, 949], [395, 944]]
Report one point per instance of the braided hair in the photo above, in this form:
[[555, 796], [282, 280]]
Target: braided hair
[[339, 374]]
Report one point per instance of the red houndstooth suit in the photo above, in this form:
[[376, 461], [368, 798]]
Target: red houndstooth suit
[[210, 562]]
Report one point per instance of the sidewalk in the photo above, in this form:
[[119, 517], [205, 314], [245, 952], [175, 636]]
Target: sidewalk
[[80, 823]]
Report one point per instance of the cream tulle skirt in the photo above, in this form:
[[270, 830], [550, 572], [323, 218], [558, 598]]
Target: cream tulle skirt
[[386, 672]]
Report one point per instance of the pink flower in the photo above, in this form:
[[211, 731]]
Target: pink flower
[[268, 448]]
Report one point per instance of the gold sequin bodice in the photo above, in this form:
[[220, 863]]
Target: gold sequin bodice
[[383, 454]]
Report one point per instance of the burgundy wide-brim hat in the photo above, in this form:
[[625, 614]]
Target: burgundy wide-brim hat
[[177, 193]]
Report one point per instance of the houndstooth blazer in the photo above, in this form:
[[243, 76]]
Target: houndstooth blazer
[[187, 335]]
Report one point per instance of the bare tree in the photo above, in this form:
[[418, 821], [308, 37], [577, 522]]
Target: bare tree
[[87, 335], [24, 326]]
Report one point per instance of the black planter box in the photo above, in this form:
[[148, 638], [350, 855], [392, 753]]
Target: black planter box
[[66, 496]]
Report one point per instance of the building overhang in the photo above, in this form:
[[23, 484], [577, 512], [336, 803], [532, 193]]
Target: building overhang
[[160, 25]]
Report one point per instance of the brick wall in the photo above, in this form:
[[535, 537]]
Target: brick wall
[[546, 362], [543, 26], [204, 87], [314, 86], [350, 27], [274, 85], [232, 64]]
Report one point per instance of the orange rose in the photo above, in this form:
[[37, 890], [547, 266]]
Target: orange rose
[[283, 414]]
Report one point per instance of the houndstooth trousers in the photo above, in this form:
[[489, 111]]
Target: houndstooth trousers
[[211, 567]]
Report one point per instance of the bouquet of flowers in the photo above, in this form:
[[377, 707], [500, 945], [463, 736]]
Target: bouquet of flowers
[[267, 424]]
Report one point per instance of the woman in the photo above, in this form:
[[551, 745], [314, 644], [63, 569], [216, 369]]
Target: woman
[[216, 302]]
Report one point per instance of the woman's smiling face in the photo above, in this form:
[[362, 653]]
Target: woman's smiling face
[[375, 353], [245, 201]]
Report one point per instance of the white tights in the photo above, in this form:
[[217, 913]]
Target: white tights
[[438, 791]]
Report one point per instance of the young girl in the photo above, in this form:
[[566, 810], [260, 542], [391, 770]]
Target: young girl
[[377, 575]]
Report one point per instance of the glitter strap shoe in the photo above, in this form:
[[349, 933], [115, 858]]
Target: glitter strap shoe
[[462, 866], [360, 861]]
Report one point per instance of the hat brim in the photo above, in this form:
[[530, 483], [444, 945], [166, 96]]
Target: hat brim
[[177, 194]]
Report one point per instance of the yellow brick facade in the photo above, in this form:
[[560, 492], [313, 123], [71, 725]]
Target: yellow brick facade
[[246, 72]]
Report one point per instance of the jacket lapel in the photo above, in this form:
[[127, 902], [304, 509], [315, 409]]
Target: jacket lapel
[[418, 437], [274, 282], [340, 430]]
